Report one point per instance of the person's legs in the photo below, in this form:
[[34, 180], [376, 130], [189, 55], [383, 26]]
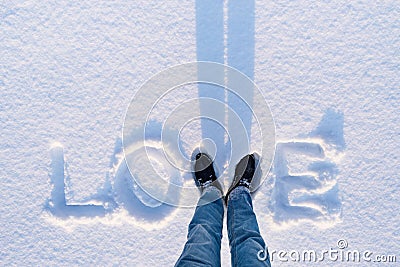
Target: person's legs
[[203, 244], [244, 236]]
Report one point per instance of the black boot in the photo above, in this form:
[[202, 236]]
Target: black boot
[[244, 173], [204, 173]]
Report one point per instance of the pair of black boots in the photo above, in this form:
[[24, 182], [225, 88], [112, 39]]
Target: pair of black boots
[[205, 174]]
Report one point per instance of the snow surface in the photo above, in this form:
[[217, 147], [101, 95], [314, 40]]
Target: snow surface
[[329, 71]]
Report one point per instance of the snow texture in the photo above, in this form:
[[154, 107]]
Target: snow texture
[[329, 71]]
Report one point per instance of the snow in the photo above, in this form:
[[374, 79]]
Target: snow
[[328, 70]]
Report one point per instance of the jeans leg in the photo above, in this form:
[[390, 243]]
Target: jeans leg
[[244, 236], [203, 245]]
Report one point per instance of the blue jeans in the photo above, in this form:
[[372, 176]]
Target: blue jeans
[[203, 244]]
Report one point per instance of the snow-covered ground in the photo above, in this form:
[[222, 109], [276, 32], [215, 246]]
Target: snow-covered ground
[[329, 70]]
